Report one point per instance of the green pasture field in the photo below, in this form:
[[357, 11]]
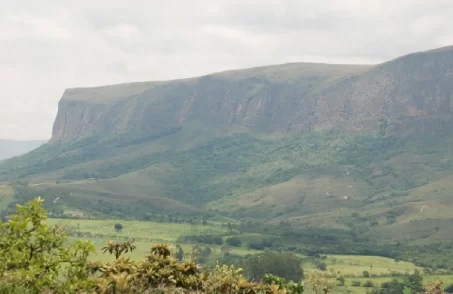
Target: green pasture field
[[147, 233], [153, 232], [377, 281], [356, 264], [6, 196], [144, 234]]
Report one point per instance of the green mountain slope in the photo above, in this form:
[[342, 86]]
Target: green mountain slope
[[11, 148], [360, 148]]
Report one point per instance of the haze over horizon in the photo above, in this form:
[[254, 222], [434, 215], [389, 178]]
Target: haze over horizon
[[45, 49]]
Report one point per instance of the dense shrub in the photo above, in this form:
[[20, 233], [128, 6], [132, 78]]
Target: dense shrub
[[368, 284], [118, 227], [321, 266], [234, 241], [34, 254], [203, 239], [414, 282], [394, 287], [286, 265], [261, 245]]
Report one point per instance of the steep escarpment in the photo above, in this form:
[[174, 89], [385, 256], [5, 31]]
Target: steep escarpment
[[414, 87], [309, 143], [263, 99], [280, 98]]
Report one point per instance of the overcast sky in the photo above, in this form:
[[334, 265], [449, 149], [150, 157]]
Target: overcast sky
[[47, 46]]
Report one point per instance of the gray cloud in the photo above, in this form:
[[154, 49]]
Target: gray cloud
[[47, 46]]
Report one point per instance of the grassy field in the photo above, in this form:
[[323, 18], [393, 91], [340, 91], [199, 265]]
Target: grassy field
[[6, 196], [377, 281], [375, 265], [144, 233], [151, 232], [148, 233]]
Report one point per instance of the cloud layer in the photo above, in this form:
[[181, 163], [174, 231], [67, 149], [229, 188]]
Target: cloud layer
[[47, 46]]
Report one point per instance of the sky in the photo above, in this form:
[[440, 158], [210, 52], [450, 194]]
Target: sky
[[47, 46]]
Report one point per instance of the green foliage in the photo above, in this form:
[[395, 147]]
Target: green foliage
[[261, 244], [394, 287], [341, 281], [179, 253], [449, 288], [37, 258], [322, 282], [285, 265], [118, 227], [414, 282], [117, 249], [242, 164], [291, 286], [321, 266], [204, 239], [34, 255], [234, 241], [368, 284]]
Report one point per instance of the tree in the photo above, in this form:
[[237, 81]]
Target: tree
[[285, 265], [368, 284], [230, 228], [341, 280], [117, 249], [394, 287], [234, 241], [118, 227], [37, 258], [321, 282], [35, 254], [356, 283], [179, 253], [414, 282], [435, 288], [366, 274], [321, 266]]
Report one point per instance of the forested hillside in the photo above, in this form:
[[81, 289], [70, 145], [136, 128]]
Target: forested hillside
[[351, 151], [11, 148]]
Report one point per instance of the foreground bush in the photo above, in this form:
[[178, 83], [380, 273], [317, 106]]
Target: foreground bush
[[37, 258]]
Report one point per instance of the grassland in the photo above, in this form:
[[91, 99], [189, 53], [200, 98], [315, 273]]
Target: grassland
[[355, 265], [146, 233], [6, 196], [143, 233], [151, 232], [378, 281]]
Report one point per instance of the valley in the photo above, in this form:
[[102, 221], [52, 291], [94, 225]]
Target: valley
[[344, 166]]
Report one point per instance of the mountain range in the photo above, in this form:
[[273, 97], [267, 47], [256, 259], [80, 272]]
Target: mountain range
[[353, 147]]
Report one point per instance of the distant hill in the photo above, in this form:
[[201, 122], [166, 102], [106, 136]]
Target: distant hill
[[363, 148], [11, 148]]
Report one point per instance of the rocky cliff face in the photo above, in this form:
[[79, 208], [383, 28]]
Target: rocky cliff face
[[276, 98], [170, 145], [417, 86]]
